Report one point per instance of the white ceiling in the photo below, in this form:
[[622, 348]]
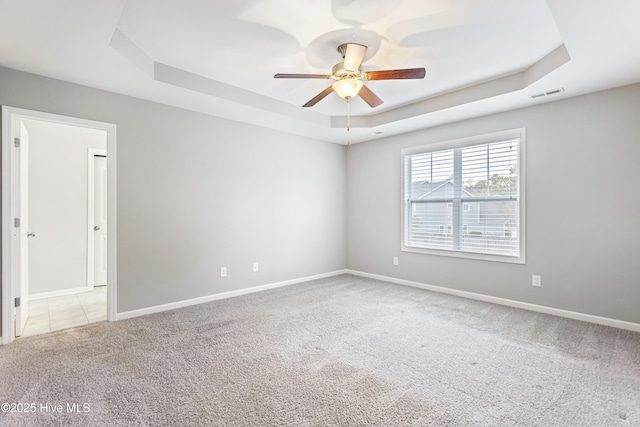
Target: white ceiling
[[219, 57]]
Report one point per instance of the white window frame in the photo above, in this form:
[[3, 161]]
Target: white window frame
[[519, 134]]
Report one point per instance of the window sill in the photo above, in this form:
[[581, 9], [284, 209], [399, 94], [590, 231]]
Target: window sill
[[466, 255]]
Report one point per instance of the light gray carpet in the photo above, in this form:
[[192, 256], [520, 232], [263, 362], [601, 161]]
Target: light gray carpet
[[343, 351]]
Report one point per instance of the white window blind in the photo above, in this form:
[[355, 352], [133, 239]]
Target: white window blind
[[465, 198]]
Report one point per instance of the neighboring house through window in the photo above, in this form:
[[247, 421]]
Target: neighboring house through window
[[465, 197]]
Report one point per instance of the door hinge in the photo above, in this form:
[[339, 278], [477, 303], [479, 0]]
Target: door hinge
[[16, 142], [17, 302], [16, 222]]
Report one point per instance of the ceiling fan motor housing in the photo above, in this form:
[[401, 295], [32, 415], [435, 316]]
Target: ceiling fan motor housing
[[339, 72]]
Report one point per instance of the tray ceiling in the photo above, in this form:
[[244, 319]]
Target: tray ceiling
[[219, 58]]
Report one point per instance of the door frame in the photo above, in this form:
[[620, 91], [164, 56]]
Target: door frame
[[91, 154], [11, 117]]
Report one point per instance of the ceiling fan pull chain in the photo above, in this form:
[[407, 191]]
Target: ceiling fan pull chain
[[348, 123]]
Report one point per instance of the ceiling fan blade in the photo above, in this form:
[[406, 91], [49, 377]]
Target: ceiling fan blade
[[407, 73], [313, 101], [353, 56], [369, 97], [301, 76]]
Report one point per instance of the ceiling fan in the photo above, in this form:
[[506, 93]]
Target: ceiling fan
[[349, 77]]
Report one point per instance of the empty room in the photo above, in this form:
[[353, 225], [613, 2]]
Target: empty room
[[320, 213]]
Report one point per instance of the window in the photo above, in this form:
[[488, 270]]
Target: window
[[473, 189]]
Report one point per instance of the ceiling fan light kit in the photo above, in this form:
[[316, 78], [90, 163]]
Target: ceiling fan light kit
[[347, 88]]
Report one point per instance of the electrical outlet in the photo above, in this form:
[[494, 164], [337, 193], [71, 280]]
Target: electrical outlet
[[536, 280], [255, 267], [395, 260], [223, 271]]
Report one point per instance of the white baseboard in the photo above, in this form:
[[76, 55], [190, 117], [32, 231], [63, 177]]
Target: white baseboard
[[59, 293], [621, 324], [215, 297]]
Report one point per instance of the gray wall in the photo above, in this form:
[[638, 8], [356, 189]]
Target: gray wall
[[196, 193], [58, 157], [582, 208]]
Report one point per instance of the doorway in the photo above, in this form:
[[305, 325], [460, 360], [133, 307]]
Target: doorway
[[64, 254]]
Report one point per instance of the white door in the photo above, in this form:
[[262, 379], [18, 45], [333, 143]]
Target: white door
[[100, 221], [21, 233]]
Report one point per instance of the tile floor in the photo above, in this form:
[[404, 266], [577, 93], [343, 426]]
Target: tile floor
[[54, 314]]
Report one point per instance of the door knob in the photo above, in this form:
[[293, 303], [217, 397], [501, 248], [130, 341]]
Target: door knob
[[31, 234], [96, 228]]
